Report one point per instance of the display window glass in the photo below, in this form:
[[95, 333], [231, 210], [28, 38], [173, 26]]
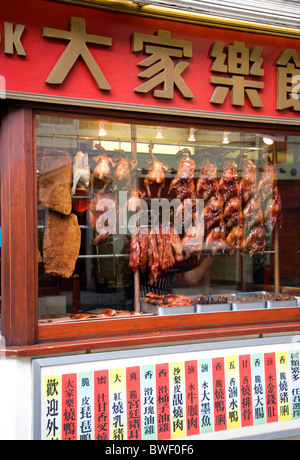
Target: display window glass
[[146, 220]]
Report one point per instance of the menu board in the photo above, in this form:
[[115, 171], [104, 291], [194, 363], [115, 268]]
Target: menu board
[[172, 396]]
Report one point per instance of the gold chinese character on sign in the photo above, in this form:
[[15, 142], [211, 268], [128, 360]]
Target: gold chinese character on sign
[[288, 78], [239, 62], [160, 67], [77, 47]]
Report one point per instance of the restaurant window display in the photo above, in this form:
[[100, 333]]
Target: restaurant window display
[[138, 220]]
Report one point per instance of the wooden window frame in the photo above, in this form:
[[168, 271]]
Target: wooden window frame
[[20, 329]]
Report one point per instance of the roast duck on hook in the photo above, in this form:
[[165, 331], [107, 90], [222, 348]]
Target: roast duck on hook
[[156, 173], [97, 209], [124, 166], [183, 184], [103, 170]]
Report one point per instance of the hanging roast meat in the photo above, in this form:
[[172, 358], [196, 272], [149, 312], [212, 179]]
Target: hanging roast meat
[[235, 239], [207, 184], [81, 170], [252, 212], [273, 211], [183, 184], [216, 239], [192, 242], [135, 251], [124, 166], [248, 185], [103, 170], [213, 212], [256, 240], [268, 179], [158, 249], [233, 213], [156, 173], [97, 217], [228, 183]]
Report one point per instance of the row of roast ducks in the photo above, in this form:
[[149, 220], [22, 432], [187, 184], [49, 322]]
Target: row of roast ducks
[[237, 210]]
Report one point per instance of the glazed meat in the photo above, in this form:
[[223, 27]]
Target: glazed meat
[[187, 212], [134, 200], [143, 242], [228, 183], [248, 185], [156, 174], [235, 240], [103, 169], [183, 184], [153, 255], [256, 240], [169, 300], [216, 239], [252, 212], [135, 252], [267, 181], [124, 165], [122, 172], [273, 211], [176, 244], [157, 249], [207, 184], [192, 242], [213, 212], [96, 215], [167, 260], [233, 213]]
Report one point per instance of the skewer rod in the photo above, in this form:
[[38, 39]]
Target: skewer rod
[[276, 258]]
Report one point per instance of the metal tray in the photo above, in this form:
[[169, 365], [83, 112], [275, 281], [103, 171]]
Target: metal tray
[[251, 293], [211, 308], [281, 303], [248, 305], [163, 311]]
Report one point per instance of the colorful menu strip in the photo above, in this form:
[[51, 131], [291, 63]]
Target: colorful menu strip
[[172, 400]]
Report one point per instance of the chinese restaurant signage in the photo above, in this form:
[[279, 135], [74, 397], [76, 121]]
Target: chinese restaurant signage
[[71, 54], [175, 396]]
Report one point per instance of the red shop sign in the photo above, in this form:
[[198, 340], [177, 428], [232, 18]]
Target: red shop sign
[[75, 55]]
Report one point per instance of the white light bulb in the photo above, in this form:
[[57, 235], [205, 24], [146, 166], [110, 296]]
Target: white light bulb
[[225, 139], [192, 135], [268, 140], [159, 134], [102, 131]]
